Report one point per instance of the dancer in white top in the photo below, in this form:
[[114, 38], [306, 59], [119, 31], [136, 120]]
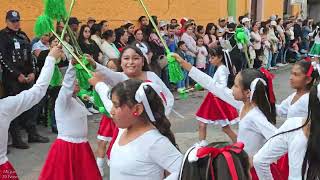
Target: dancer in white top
[[301, 79], [70, 156], [133, 66], [299, 137], [145, 145], [249, 95], [214, 110], [13, 106]]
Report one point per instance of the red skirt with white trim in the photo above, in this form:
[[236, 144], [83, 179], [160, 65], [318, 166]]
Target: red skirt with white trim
[[106, 128], [215, 111], [70, 161], [8, 172], [276, 174]]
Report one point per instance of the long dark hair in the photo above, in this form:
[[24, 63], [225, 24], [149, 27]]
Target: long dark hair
[[126, 91], [119, 33], [305, 66], [311, 162], [208, 29], [81, 37], [218, 51], [201, 168], [138, 51], [261, 95]]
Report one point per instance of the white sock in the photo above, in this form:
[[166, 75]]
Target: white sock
[[203, 143], [101, 162]]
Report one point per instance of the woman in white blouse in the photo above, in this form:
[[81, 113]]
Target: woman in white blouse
[[249, 95], [299, 137], [109, 50]]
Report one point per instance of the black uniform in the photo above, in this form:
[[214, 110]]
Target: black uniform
[[16, 59]]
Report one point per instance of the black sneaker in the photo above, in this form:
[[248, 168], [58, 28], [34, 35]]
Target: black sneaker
[[20, 145], [37, 139]]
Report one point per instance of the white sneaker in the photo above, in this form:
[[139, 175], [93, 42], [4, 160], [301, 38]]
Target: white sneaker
[[203, 143], [280, 65], [273, 68], [101, 171], [92, 110]]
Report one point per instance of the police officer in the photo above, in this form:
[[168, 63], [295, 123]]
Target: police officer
[[18, 75]]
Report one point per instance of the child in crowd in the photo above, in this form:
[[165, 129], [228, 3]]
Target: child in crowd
[[202, 54], [183, 52]]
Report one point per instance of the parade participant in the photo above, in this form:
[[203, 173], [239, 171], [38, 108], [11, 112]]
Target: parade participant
[[250, 95], [133, 66], [299, 137], [145, 142], [18, 75], [301, 79], [213, 110], [70, 156], [13, 106]]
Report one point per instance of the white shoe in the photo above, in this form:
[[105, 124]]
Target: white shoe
[[101, 164], [273, 68], [202, 143], [92, 110], [280, 65], [101, 171]]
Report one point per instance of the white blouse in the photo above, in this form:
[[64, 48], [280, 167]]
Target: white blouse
[[12, 106], [294, 143], [254, 128], [112, 78], [71, 114], [109, 52], [220, 77], [145, 158], [298, 109]]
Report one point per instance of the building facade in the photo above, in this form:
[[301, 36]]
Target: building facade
[[117, 12]]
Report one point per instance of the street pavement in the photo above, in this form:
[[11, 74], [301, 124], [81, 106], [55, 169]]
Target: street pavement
[[28, 163]]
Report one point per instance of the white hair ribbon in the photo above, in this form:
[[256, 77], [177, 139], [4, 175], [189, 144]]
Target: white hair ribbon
[[253, 86], [227, 58], [318, 93], [141, 97]]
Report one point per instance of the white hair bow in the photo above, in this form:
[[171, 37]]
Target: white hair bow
[[253, 86], [142, 98]]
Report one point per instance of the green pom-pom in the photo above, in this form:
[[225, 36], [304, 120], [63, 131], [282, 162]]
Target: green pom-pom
[[56, 79], [175, 71], [241, 36], [43, 25], [55, 9], [82, 75], [99, 104], [198, 87]]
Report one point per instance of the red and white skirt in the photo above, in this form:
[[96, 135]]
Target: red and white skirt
[[106, 129], [8, 172], [70, 161], [279, 171], [215, 111]]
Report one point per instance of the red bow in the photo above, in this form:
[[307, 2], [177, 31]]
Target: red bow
[[310, 70], [214, 152], [269, 77]]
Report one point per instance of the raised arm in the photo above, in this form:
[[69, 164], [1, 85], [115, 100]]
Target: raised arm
[[67, 88], [103, 91], [111, 78], [13, 106]]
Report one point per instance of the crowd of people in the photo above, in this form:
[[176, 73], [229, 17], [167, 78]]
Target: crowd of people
[[131, 76]]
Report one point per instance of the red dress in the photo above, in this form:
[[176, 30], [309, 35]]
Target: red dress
[[70, 161], [7, 172], [215, 111]]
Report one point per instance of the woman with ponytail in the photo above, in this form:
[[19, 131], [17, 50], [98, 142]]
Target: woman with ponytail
[[299, 137], [251, 96], [145, 146]]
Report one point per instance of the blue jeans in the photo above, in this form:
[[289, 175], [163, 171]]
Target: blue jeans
[[269, 59], [185, 82]]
